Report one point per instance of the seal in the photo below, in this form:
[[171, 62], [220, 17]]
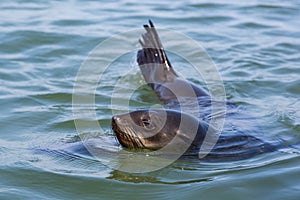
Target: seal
[[143, 129], [155, 128]]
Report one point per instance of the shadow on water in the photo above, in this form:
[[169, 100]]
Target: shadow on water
[[127, 177]]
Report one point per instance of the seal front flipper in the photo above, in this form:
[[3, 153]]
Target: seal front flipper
[[158, 71], [152, 58]]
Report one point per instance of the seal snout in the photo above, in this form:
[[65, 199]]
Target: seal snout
[[115, 124], [117, 130], [118, 123], [114, 119], [118, 120]]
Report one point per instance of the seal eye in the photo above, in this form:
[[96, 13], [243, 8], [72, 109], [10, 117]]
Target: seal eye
[[146, 122]]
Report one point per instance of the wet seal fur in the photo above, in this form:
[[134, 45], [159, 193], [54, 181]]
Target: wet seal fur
[[142, 129]]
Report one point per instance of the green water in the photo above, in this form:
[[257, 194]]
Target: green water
[[254, 44]]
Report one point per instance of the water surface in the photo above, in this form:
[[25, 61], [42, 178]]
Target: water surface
[[255, 46]]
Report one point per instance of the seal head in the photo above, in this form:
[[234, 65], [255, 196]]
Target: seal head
[[155, 128]]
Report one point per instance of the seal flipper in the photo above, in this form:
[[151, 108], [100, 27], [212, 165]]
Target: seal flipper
[[158, 72], [152, 58]]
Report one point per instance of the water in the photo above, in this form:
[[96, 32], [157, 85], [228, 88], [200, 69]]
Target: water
[[255, 46]]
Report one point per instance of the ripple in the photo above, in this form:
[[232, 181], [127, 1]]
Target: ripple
[[287, 48], [54, 97], [72, 22], [253, 25], [284, 8], [208, 5]]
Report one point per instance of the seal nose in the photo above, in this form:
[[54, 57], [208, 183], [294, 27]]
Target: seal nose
[[119, 120], [114, 124], [116, 120], [113, 120]]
